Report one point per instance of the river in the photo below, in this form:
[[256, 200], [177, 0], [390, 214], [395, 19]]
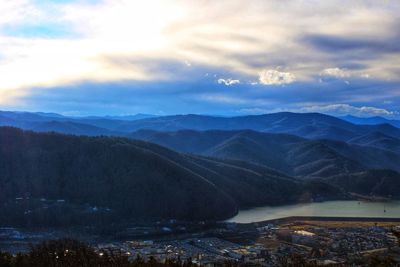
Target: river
[[328, 208]]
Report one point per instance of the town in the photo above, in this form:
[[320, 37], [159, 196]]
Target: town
[[322, 243]]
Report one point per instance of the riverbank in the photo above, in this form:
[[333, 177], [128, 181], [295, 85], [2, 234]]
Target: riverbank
[[345, 221]]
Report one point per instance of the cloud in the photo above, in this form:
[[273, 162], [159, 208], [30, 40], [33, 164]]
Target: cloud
[[199, 96], [335, 72], [346, 109], [228, 82], [274, 77], [331, 109], [18, 11], [333, 43], [224, 99], [111, 41], [344, 73]]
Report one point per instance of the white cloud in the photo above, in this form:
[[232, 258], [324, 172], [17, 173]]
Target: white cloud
[[346, 109], [344, 73], [274, 77], [224, 99], [17, 11], [332, 109], [335, 72], [228, 82]]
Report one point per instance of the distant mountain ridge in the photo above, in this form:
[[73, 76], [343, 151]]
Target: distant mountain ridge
[[307, 125], [52, 122], [371, 120], [312, 126]]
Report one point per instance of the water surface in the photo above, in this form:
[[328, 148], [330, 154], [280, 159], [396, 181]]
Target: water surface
[[328, 208]]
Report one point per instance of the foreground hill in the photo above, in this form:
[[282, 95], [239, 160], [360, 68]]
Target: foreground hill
[[287, 153], [133, 179]]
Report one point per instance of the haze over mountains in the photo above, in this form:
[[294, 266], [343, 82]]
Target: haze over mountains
[[307, 125], [287, 153], [191, 166], [370, 120]]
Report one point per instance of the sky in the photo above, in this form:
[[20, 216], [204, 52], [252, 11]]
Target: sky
[[225, 57]]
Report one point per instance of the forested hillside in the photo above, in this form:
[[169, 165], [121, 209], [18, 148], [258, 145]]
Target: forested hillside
[[44, 173]]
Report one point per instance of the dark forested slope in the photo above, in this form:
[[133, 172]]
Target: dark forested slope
[[137, 180], [383, 183]]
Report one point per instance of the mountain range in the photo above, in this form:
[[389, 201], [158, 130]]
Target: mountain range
[[371, 120], [290, 154], [189, 167], [307, 125]]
